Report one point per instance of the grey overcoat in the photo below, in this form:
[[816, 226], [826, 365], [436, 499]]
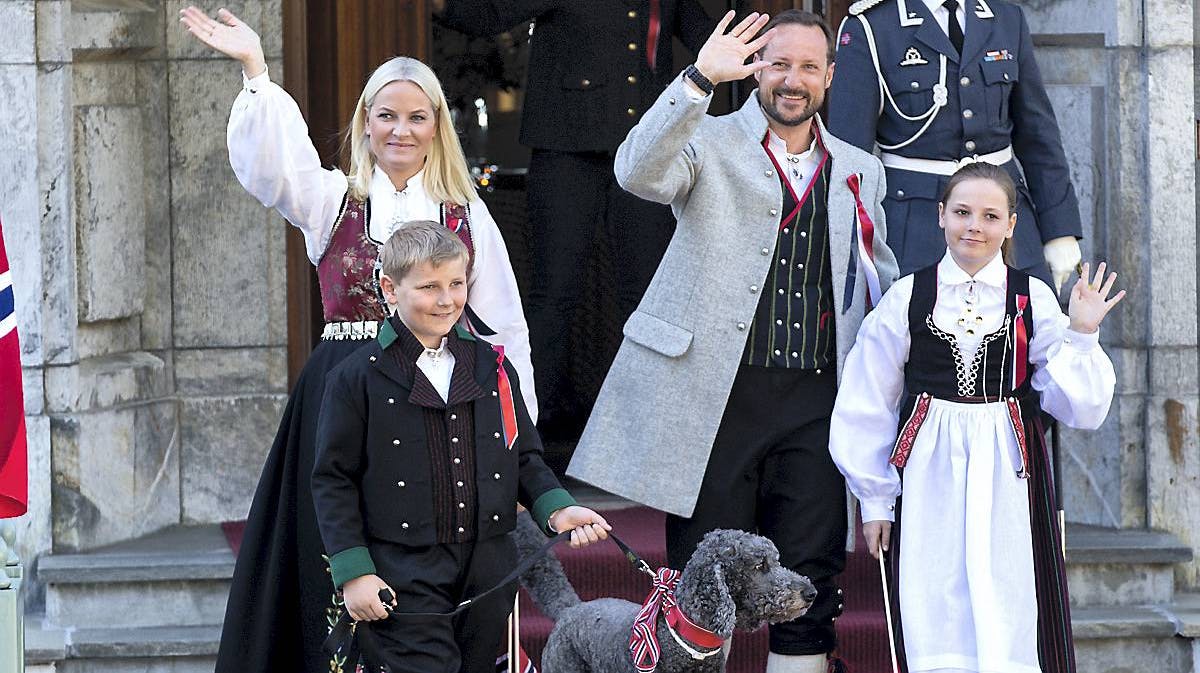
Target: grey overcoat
[[652, 429]]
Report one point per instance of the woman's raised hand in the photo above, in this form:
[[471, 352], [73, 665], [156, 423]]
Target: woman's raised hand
[[228, 35], [723, 56], [1090, 301]]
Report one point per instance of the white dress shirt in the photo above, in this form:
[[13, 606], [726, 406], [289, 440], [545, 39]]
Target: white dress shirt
[[942, 15], [799, 168], [438, 366], [274, 159]]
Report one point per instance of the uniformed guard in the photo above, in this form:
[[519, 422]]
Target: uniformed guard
[[594, 67], [939, 83]]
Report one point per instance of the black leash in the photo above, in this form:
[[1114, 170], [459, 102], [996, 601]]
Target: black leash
[[342, 640]]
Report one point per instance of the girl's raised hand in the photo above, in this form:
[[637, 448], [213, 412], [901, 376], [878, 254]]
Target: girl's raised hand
[[228, 35], [1089, 299]]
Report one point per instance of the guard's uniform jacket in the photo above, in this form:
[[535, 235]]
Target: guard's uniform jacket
[[590, 75], [381, 465], [900, 84]]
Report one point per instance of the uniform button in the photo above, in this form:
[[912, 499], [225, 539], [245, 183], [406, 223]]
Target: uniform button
[[461, 529], [795, 325], [458, 461], [967, 114], [818, 372], [966, 81], [391, 400], [396, 442], [970, 145], [797, 295], [1006, 77], [800, 265], [630, 111], [495, 517], [839, 592], [839, 607], [401, 484], [783, 261], [753, 289], [795, 354], [496, 476], [777, 351], [768, 173], [915, 85], [779, 322], [631, 79], [372, 358], [586, 82], [404, 525], [786, 230], [741, 326], [900, 193], [454, 440], [781, 291], [632, 46], [804, 234], [765, 251], [495, 435], [462, 505], [774, 212], [494, 393], [631, 14], [458, 484]]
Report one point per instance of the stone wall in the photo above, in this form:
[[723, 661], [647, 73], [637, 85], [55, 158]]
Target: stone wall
[[150, 288], [1122, 78]]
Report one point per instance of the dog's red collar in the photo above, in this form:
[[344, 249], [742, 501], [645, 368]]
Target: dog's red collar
[[687, 629]]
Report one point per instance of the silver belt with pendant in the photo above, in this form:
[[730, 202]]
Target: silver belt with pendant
[[354, 331]]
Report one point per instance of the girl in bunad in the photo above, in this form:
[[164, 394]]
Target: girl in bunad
[[941, 398], [405, 164]]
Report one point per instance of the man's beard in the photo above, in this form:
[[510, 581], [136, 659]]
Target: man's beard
[[810, 109]]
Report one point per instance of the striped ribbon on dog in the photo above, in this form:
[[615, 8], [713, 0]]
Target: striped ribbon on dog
[[643, 639], [508, 408]]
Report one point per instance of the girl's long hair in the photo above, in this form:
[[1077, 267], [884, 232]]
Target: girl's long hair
[[446, 177]]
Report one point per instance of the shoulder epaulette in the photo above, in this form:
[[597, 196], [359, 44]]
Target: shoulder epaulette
[[862, 6]]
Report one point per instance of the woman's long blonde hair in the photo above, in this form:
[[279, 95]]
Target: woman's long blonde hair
[[446, 176]]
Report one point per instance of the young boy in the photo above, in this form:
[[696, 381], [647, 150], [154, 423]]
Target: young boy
[[424, 449]]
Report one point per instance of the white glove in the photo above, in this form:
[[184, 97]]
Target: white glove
[[1062, 256]]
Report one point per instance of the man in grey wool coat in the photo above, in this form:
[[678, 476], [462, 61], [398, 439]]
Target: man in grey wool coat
[[717, 407]]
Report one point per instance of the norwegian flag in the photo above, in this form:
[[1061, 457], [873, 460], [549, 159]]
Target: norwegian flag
[[522, 665], [14, 478]]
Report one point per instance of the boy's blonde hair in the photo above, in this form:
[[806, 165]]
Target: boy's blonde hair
[[417, 242], [446, 177]]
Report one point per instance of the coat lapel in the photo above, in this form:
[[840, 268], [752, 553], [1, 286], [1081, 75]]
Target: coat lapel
[[931, 33], [979, 31]]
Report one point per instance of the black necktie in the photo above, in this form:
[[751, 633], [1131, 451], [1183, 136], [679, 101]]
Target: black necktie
[[956, 35]]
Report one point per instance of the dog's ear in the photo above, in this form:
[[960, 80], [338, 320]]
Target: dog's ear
[[724, 609]]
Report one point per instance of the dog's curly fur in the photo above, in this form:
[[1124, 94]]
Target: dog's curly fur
[[733, 581]]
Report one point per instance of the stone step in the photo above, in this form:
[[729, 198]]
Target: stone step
[[163, 649], [175, 577], [1122, 567], [1121, 640]]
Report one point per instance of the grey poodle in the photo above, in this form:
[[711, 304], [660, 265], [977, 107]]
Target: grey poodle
[[733, 581]]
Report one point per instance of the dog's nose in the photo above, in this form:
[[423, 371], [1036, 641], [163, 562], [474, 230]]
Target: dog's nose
[[809, 594]]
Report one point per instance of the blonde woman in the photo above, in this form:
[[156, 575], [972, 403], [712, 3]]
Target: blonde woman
[[406, 164]]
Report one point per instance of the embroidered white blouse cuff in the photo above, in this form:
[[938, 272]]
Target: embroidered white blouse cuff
[[1080, 341], [254, 84], [878, 509]]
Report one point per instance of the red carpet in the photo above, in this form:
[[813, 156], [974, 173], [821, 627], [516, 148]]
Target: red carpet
[[601, 570]]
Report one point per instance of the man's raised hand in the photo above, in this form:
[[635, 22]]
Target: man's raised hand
[[723, 56]]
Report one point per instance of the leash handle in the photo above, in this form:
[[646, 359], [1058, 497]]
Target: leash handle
[[636, 561]]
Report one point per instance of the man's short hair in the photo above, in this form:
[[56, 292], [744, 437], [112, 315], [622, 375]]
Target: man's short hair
[[417, 242], [800, 17]]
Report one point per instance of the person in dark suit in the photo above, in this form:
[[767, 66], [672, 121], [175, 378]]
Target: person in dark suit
[[594, 68], [936, 84], [424, 449]]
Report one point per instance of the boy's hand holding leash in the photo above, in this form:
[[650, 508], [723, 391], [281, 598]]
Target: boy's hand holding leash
[[1089, 299], [362, 596], [585, 525]]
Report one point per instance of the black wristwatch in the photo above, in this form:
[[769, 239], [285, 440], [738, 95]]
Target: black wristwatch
[[693, 73]]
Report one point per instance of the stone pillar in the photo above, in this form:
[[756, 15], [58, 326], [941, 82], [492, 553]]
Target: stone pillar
[[149, 287]]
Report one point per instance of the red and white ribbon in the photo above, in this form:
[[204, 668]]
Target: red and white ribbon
[[866, 243], [508, 408]]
